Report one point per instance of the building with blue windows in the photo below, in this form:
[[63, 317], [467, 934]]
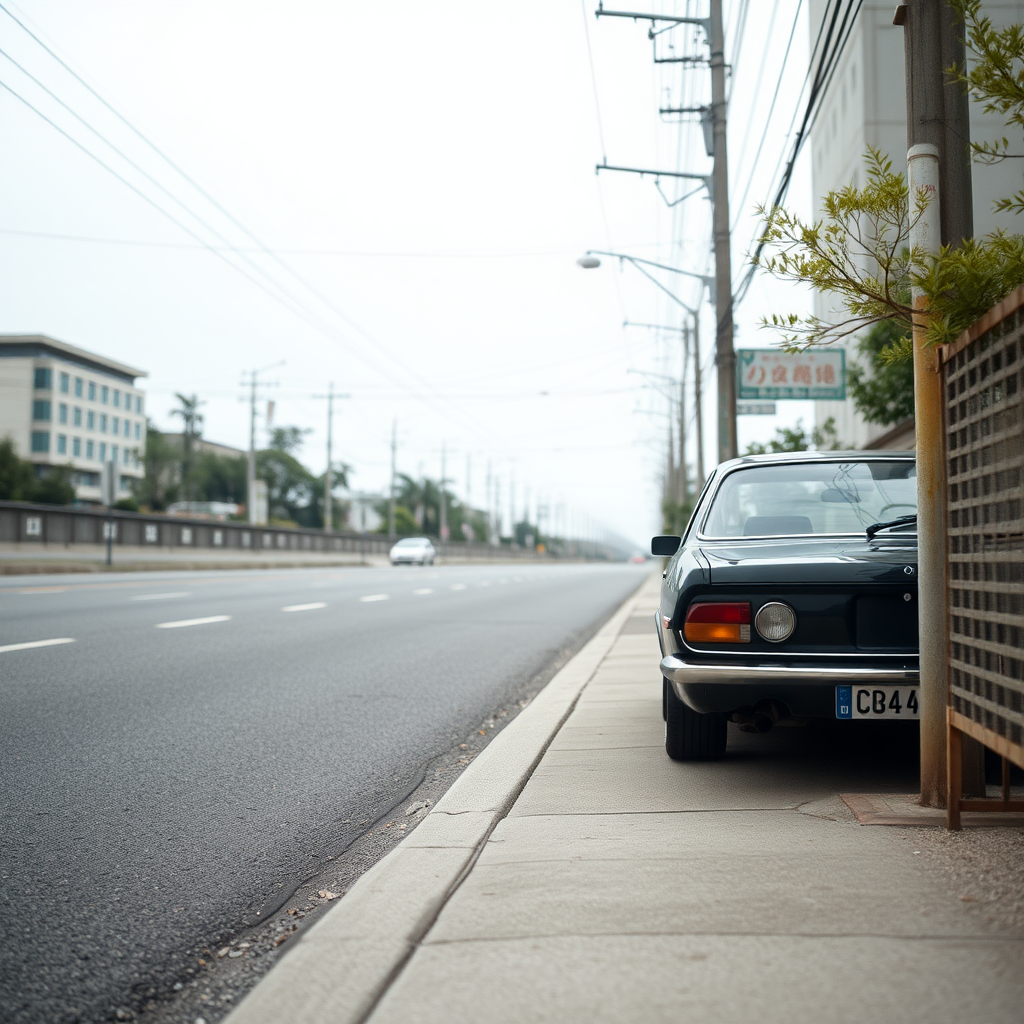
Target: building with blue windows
[[64, 406]]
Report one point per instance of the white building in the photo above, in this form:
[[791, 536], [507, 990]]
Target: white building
[[866, 106], [63, 406]]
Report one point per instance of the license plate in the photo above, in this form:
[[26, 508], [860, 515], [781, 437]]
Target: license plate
[[897, 702]]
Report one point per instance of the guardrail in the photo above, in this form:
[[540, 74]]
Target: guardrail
[[74, 528], [983, 376]]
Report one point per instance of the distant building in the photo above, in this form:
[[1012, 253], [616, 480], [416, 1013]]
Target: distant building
[[865, 106], [363, 516], [201, 444], [64, 406]]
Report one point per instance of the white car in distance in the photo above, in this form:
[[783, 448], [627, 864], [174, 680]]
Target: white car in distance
[[413, 550]]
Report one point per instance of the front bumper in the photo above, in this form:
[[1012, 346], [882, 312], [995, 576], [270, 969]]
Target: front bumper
[[805, 689]]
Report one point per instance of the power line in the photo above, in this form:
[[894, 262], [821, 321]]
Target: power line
[[822, 80], [309, 316]]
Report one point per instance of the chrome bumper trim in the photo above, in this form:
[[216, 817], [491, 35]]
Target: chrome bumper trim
[[681, 672]]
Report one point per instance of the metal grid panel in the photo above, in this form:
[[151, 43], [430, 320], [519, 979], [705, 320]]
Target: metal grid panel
[[985, 443]]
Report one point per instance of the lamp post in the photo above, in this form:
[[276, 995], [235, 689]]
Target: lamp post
[[591, 261]]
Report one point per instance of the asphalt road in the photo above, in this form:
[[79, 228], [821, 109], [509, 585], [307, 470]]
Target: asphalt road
[[206, 739]]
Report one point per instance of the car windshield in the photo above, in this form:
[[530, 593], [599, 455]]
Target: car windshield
[[412, 542], [811, 498]]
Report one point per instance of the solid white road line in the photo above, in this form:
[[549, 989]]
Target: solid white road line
[[424, 590], [192, 622], [42, 590], [37, 643], [458, 586], [160, 597], [305, 607], [374, 597]]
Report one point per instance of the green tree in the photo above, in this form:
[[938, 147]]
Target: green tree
[[221, 477], [19, 480], [191, 431], [16, 474], [796, 439], [859, 250], [158, 488], [882, 389], [996, 80]]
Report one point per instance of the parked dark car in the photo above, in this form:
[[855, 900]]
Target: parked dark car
[[793, 595]]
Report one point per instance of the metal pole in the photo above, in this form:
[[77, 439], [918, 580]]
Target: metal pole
[[251, 467], [682, 481], [391, 489], [923, 161], [328, 479], [111, 488], [725, 356], [938, 133], [444, 501], [698, 415]]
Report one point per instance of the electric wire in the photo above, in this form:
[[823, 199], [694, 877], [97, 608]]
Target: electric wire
[[308, 315], [822, 80]]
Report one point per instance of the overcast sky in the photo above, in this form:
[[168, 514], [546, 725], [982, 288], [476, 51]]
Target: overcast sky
[[424, 175]]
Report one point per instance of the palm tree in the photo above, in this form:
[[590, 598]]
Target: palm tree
[[192, 430]]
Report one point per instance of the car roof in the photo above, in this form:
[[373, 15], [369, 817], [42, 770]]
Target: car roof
[[814, 456]]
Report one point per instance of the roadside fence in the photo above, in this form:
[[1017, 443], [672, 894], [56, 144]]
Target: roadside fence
[[983, 377]]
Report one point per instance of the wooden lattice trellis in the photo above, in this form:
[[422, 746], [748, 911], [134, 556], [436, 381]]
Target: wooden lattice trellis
[[983, 374]]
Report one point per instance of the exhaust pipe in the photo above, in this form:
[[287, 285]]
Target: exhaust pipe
[[762, 718]]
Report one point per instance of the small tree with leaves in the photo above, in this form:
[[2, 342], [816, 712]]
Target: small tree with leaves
[[882, 388], [859, 250], [796, 439]]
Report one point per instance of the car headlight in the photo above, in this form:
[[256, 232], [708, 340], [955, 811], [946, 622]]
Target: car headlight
[[775, 621]]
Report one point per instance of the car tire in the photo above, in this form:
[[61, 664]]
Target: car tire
[[689, 735]]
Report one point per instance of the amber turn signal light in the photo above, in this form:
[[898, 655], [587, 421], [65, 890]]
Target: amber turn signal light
[[718, 622]]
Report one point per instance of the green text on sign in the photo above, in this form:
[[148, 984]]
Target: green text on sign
[[769, 374]]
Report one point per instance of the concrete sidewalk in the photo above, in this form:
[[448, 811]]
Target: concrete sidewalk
[[575, 873]]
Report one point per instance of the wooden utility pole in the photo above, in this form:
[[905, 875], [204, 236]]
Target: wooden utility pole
[[938, 140], [683, 480], [391, 489], [725, 355], [328, 477], [443, 512], [698, 416]]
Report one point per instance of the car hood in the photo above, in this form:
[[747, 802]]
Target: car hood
[[837, 559]]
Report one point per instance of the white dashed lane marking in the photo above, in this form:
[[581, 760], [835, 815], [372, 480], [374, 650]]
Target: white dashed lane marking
[[458, 586], [36, 643], [305, 607], [192, 622], [374, 597], [160, 597], [424, 590]]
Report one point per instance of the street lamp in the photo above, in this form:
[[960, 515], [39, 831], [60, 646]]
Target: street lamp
[[590, 261]]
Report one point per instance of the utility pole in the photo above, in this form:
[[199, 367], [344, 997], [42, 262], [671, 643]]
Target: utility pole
[[250, 502], [938, 134], [698, 415], [391, 489], [328, 476], [683, 480], [725, 355], [443, 498]]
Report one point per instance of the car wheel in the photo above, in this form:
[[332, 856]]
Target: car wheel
[[690, 736]]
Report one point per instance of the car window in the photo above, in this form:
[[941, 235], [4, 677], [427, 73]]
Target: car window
[[411, 542], [811, 497]]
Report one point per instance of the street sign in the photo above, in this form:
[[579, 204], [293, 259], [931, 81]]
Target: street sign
[[770, 373], [755, 409]]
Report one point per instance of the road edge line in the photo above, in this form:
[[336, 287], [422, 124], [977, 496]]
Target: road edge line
[[372, 933]]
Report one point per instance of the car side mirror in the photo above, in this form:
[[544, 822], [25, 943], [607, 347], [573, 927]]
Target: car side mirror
[[665, 545]]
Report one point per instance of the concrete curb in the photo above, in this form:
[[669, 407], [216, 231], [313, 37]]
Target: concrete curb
[[339, 970]]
